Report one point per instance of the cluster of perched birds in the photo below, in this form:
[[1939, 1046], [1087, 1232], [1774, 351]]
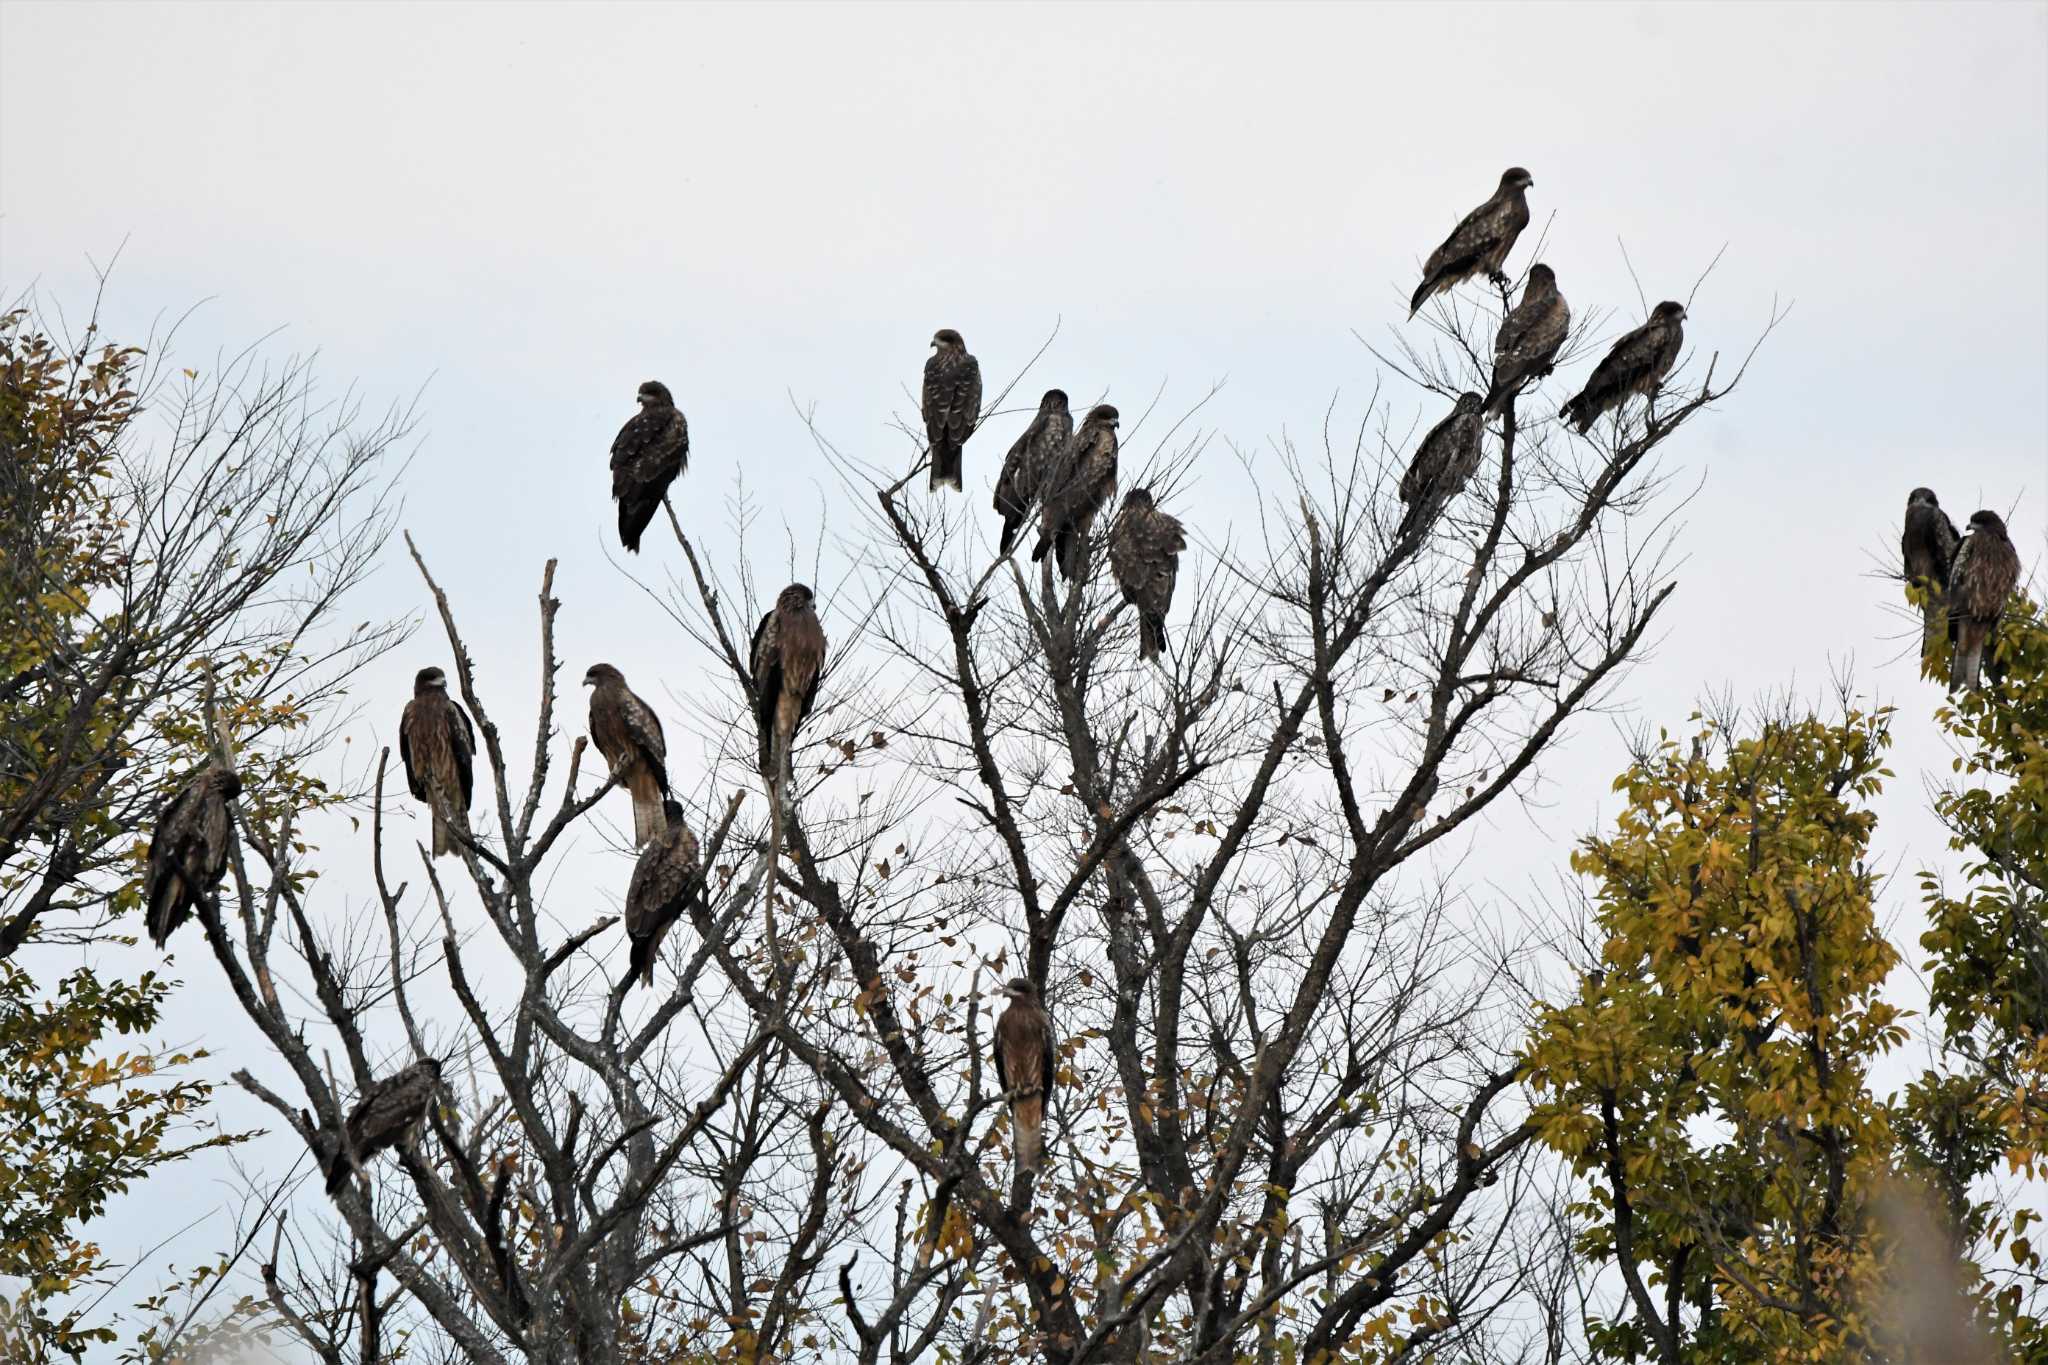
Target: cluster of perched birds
[[1068, 474], [1964, 582]]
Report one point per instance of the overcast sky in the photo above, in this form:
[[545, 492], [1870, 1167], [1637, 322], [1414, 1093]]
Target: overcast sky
[[518, 213]]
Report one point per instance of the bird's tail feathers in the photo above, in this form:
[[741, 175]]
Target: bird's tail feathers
[[1421, 295], [163, 907], [649, 822], [442, 843], [640, 968], [946, 465], [1010, 528], [1151, 635], [1028, 1131], [338, 1173], [1068, 550]]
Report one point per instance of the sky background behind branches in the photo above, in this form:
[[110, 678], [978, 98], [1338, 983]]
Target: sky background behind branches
[[515, 215]]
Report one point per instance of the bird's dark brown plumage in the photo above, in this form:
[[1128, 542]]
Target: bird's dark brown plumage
[[1481, 242], [1024, 1062], [952, 404], [1526, 347], [1078, 489], [188, 850], [628, 733], [1927, 550], [388, 1111], [1031, 459], [1444, 463], [1636, 364], [438, 746], [1985, 572], [665, 884], [648, 454], [1144, 555], [788, 657]]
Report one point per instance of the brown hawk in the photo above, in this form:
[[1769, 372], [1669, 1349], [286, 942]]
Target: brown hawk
[[1144, 557], [1481, 242], [1525, 349], [1081, 487], [665, 884], [1030, 460], [385, 1116], [188, 850], [788, 659], [952, 404], [1636, 364], [1927, 547], [1985, 572], [1444, 463], [649, 452], [628, 733], [1024, 1063], [438, 745]]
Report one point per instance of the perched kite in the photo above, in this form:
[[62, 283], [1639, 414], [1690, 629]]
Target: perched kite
[[1928, 548], [188, 849], [1082, 486], [1144, 556], [1985, 572], [647, 455], [1443, 464], [1636, 364], [385, 1116], [952, 404], [1481, 243], [1023, 1055], [788, 657], [664, 884], [437, 743], [1030, 461], [1526, 346], [628, 734]]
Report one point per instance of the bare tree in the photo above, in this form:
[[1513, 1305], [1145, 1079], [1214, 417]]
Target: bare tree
[[1286, 1118]]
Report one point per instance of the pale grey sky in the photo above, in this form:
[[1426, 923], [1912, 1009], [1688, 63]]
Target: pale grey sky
[[527, 210]]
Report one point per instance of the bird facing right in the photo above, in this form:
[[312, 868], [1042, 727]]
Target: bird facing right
[[1024, 1062], [1636, 364], [788, 657], [1480, 244], [1444, 463], [1031, 462], [1081, 487], [1530, 336], [1986, 570], [628, 733]]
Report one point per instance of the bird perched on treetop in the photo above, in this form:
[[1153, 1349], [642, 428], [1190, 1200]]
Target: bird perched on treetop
[[1144, 556], [1526, 346], [1986, 570], [649, 452], [438, 744], [386, 1114], [1081, 487], [1444, 463], [1927, 547], [788, 657], [628, 733], [1024, 1062], [952, 404], [1481, 242], [1030, 462], [188, 850], [1636, 364]]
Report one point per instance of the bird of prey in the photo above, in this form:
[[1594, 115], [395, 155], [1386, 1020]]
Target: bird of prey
[[437, 743], [664, 885], [1144, 556], [1526, 346], [952, 404], [628, 734], [649, 452], [1030, 461], [1023, 1056], [188, 849], [1928, 548], [384, 1117], [788, 656], [1985, 572], [1635, 364], [1443, 464], [1082, 486], [1481, 242]]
